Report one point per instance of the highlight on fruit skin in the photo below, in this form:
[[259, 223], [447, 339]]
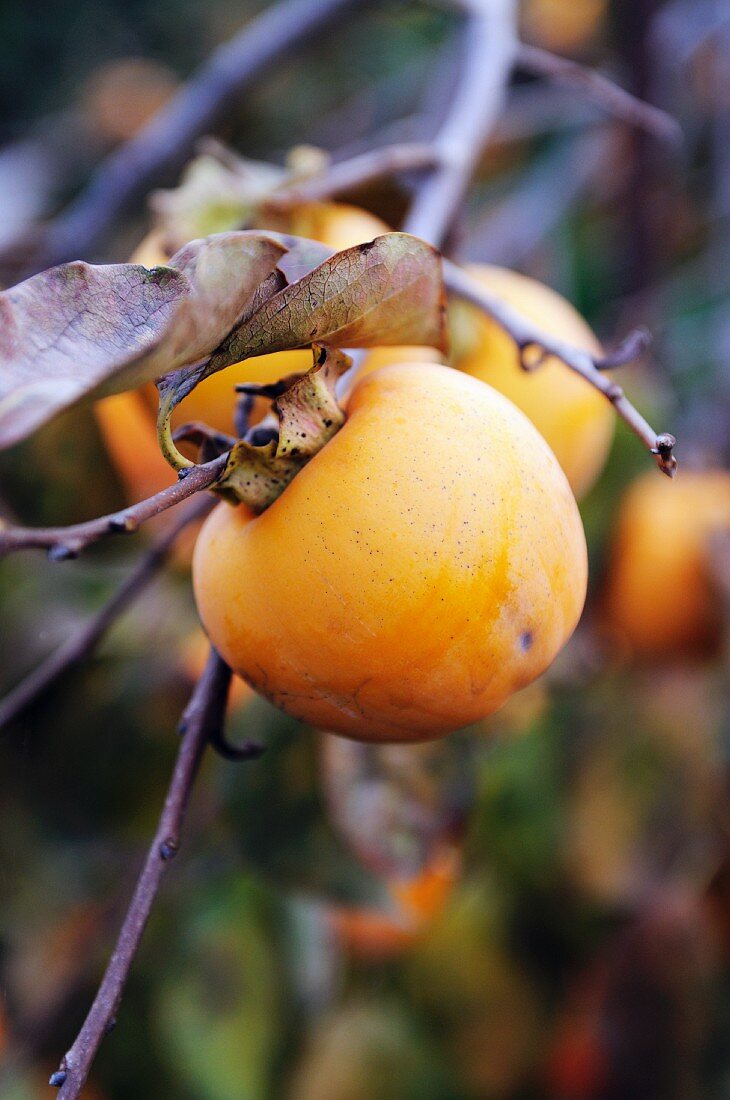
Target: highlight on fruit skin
[[427, 563], [574, 418], [659, 598]]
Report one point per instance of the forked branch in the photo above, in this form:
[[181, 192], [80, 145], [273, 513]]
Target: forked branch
[[128, 173]]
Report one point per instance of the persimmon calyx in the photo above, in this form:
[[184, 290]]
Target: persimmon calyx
[[309, 415]]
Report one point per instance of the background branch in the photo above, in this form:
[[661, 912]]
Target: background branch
[[601, 91], [63, 543], [387, 160], [203, 714], [491, 43], [82, 645], [169, 138]]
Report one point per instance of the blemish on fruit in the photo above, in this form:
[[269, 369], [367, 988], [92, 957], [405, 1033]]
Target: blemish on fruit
[[526, 640]]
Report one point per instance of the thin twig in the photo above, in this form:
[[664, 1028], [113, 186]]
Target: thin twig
[[348, 174], [601, 91], [63, 543], [204, 713], [169, 138], [534, 345], [490, 36], [78, 648]]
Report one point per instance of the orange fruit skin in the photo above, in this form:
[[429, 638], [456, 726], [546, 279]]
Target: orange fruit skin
[[128, 430], [428, 562], [659, 595], [574, 418], [336, 224]]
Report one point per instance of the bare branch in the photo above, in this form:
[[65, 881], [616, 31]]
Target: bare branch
[[534, 345], [203, 713], [336, 178], [78, 648], [169, 138], [490, 50], [63, 543], [601, 91]]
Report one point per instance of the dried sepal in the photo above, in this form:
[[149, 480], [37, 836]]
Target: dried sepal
[[309, 415]]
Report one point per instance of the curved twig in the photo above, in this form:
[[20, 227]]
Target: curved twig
[[203, 713], [530, 339], [601, 91], [78, 648], [63, 543]]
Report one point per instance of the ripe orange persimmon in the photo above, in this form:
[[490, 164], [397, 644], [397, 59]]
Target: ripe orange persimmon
[[389, 356], [428, 562], [659, 595], [574, 418]]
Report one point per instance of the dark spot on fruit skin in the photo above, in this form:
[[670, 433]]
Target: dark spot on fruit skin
[[526, 640]]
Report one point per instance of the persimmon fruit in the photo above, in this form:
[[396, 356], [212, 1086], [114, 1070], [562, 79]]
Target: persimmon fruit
[[659, 594], [428, 562], [575, 419]]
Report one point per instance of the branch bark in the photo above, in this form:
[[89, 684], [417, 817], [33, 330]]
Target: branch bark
[[601, 91], [203, 715], [63, 543], [355, 171], [78, 648], [491, 44]]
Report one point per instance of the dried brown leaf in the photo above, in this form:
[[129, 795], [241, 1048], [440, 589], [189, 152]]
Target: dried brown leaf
[[81, 331]]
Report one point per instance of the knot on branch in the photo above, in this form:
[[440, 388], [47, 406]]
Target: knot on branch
[[664, 451], [247, 750], [532, 354], [168, 848], [123, 524]]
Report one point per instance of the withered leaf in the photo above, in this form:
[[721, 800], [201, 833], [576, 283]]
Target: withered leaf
[[81, 331], [388, 291]]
